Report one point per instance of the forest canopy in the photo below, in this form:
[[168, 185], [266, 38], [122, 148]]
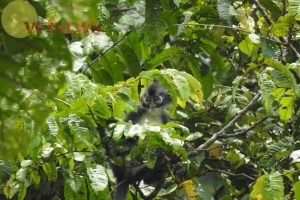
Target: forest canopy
[[71, 70]]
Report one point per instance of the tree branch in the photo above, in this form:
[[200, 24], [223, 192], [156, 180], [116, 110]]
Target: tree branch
[[62, 101], [230, 173], [241, 133], [283, 11], [216, 135], [270, 22]]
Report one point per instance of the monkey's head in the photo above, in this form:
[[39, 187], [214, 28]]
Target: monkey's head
[[155, 96]]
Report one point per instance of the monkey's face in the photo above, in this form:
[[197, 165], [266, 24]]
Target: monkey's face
[[155, 96]]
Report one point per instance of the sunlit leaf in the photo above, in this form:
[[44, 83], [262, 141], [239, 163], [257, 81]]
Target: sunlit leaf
[[269, 186], [98, 177]]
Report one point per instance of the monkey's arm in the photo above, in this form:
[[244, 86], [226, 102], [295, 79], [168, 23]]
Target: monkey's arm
[[165, 118], [136, 116]]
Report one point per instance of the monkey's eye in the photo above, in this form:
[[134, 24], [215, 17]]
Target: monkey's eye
[[157, 99], [147, 99]]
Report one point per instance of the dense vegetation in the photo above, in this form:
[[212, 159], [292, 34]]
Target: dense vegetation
[[232, 68]]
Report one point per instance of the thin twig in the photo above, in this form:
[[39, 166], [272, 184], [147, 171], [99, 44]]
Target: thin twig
[[230, 173], [76, 151], [283, 11], [62, 101], [223, 131], [105, 52], [270, 22], [241, 133]]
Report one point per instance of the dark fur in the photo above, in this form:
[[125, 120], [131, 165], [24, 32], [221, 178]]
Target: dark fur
[[130, 173]]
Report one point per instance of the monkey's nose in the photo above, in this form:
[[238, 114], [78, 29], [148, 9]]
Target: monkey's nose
[[151, 105]]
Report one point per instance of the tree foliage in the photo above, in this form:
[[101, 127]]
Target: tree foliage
[[231, 67]]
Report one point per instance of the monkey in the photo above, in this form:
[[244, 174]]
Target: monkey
[[152, 109]]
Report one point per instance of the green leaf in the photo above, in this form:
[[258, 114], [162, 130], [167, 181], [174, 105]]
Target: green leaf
[[100, 41], [293, 7], [181, 83], [6, 84], [286, 108], [258, 188], [36, 177], [268, 48], [208, 185], [11, 188], [182, 86], [280, 29], [280, 149], [101, 108], [102, 76], [75, 188], [163, 56], [236, 157], [50, 170], [247, 46], [52, 126], [132, 18], [98, 177], [22, 193], [295, 156], [195, 86], [75, 183], [112, 65], [282, 26], [267, 87], [135, 130], [274, 10], [268, 187], [26, 163], [297, 190], [21, 174], [225, 10], [76, 49], [286, 73], [119, 131], [154, 12], [129, 59]]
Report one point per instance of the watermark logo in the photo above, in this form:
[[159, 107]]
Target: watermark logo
[[14, 16], [19, 19]]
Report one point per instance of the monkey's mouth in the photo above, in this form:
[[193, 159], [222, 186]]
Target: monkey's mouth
[[152, 106], [151, 109]]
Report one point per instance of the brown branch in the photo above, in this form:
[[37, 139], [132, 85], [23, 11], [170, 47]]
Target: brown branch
[[270, 22], [230, 173], [263, 12], [283, 11], [223, 131], [241, 133]]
